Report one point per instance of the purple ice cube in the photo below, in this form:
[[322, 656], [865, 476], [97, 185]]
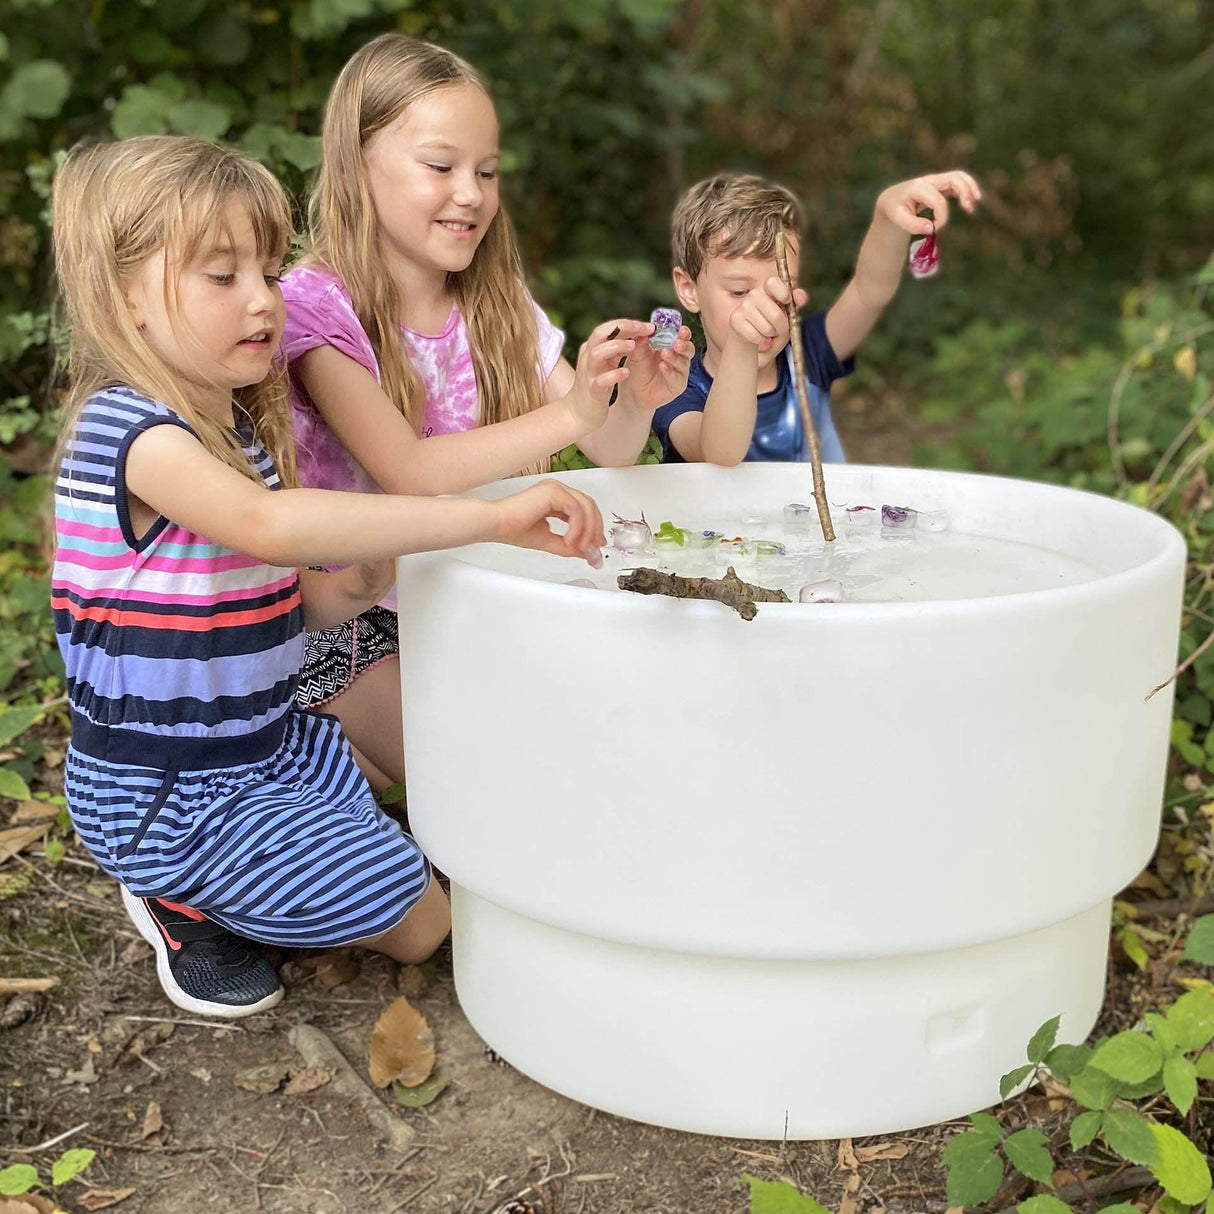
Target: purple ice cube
[[667, 322], [900, 517]]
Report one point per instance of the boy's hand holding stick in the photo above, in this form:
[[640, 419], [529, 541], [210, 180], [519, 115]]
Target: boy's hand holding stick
[[798, 362]]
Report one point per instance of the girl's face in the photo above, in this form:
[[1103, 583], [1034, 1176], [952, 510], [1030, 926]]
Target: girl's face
[[221, 329], [432, 176]]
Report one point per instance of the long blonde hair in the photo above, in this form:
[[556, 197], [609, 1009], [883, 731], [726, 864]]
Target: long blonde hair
[[381, 81], [118, 204]]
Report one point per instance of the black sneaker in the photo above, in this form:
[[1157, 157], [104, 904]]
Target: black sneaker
[[203, 967]]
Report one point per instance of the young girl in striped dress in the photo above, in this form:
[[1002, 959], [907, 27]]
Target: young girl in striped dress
[[227, 814]]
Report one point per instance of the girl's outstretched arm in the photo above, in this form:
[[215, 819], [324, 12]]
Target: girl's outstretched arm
[[376, 433], [172, 474]]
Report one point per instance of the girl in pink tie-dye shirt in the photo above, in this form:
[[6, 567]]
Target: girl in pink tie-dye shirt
[[419, 362]]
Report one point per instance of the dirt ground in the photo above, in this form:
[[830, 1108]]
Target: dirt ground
[[104, 1061]]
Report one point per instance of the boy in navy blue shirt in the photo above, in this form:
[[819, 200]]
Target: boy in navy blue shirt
[[740, 401]]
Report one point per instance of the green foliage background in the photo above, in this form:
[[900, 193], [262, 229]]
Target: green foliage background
[[1077, 293]]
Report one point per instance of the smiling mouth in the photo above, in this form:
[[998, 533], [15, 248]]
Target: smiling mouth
[[455, 225], [258, 339]]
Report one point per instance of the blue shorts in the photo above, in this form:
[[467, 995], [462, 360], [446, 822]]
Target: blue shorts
[[290, 849]]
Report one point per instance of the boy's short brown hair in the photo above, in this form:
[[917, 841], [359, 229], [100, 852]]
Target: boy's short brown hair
[[732, 215]]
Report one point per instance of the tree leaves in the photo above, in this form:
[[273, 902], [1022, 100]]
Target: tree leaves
[[1129, 1134]]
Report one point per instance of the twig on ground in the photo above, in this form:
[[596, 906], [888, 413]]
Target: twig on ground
[[318, 1050], [50, 1142]]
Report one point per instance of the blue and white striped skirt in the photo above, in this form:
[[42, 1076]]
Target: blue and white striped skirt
[[291, 849]]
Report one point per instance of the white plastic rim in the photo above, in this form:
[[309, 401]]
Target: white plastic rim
[[911, 779]]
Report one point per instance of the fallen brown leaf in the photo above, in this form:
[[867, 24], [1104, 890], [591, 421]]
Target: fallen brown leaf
[[19, 838], [153, 1124], [33, 811], [850, 1203], [401, 1046], [847, 1161], [265, 1078], [882, 1150], [102, 1199], [307, 1080], [337, 968], [52, 757], [27, 1203]]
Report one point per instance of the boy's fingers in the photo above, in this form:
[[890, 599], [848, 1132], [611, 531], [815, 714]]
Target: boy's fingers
[[800, 298], [928, 196], [775, 289]]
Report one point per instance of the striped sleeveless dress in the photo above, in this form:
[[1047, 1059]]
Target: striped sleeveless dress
[[191, 775]]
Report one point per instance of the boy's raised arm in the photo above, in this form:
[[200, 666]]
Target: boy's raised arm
[[896, 220]]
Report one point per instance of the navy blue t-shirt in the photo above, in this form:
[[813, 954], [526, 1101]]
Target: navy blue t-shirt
[[779, 434]]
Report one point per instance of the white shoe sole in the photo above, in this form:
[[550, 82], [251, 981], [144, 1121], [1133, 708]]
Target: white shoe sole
[[142, 919]]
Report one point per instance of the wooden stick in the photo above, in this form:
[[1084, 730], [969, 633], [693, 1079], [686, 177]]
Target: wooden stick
[[25, 986], [730, 589], [798, 362]]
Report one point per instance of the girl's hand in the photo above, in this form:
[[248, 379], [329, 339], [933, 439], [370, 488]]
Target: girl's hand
[[761, 318], [599, 368], [657, 376], [901, 203], [522, 520]]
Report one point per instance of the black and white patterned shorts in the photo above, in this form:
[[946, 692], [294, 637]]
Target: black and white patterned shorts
[[335, 657]]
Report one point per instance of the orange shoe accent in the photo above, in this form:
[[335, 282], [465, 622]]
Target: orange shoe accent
[[188, 911]]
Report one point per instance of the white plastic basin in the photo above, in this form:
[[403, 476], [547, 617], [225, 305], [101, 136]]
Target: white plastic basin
[[818, 874]]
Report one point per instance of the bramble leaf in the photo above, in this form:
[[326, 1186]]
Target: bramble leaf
[[1084, 1128], [1093, 1089], [973, 1178], [1044, 1203], [1199, 946], [1179, 1166], [1029, 1152], [1042, 1041], [1067, 1060], [1130, 1057], [1129, 1135], [1180, 1082], [17, 1178], [1013, 1079], [776, 1197]]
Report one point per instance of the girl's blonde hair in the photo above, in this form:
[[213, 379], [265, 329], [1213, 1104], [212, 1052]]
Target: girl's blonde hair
[[377, 85], [118, 204]]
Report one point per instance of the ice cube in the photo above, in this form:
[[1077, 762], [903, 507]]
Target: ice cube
[[631, 535], [703, 539], [933, 520], [667, 322], [861, 516], [763, 549], [584, 582], [737, 552], [900, 518], [826, 591], [799, 517]]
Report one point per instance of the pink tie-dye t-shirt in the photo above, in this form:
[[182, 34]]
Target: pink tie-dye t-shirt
[[319, 313]]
